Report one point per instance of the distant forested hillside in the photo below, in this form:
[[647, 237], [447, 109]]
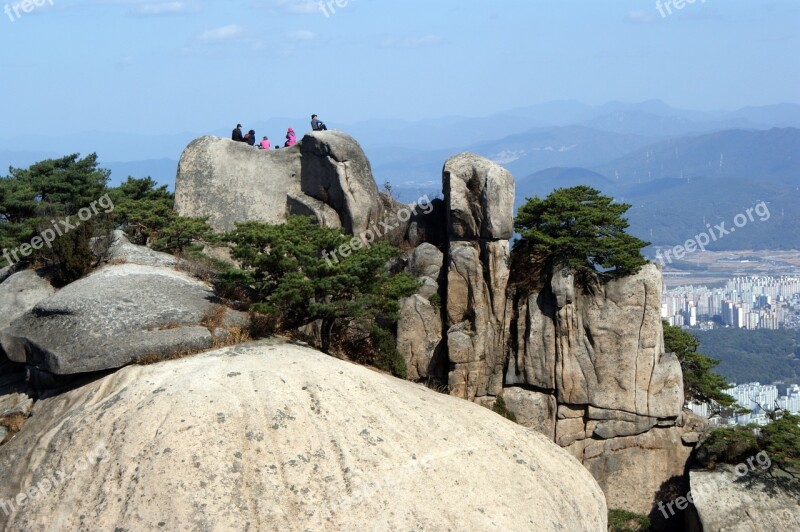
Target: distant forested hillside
[[762, 355]]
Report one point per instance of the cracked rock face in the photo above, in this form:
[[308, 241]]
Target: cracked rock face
[[113, 317], [262, 436], [603, 349], [326, 174], [600, 355], [479, 198]]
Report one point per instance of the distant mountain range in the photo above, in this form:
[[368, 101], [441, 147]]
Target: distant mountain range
[[678, 168]]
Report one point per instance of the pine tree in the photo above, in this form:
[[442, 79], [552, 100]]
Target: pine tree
[[297, 273], [700, 384], [579, 228]]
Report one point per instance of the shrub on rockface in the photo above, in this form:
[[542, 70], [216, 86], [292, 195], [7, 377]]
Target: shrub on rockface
[[300, 272], [779, 440], [581, 229], [700, 384], [728, 445]]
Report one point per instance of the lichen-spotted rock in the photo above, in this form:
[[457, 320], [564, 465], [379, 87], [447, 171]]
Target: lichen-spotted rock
[[274, 436]]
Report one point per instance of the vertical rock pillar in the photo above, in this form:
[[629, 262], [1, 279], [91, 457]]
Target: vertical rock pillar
[[479, 201]]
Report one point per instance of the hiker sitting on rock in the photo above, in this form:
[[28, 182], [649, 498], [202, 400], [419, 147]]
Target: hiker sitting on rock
[[291, 139], [317, 124]]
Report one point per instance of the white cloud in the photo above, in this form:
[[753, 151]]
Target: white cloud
[[155, 9], [301, 35], [639, 16], [412, 42], [224, 34], [125, 62], [291, 7]]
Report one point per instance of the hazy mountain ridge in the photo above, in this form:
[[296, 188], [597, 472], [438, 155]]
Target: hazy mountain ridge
[[676, 167]]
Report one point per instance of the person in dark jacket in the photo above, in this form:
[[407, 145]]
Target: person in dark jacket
[[237, 133], [251, 137], [317, 124]]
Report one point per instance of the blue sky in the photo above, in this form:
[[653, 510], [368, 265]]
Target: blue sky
[[172, 66]]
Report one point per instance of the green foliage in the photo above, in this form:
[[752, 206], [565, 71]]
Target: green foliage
[[182, 233], [142, 208], [436, 301], [76, 253], [387, 357], [730, 445], [781, 440], [625, 521], [145, 212], [699, 382], [761, 355], [291, 273], [577, 227], [49, 189], [500, 408], [37, 199]]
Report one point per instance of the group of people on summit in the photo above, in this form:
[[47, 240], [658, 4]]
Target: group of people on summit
[[291, 138]]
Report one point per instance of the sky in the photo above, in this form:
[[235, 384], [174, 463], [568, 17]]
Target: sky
[[149, 67]]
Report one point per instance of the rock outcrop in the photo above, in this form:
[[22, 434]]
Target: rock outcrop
[[569, 341], [419, 329], [113, 317], [121, 251], [479, 198], [744, 500], [599, 354], [584, 365], [326, 174], [269, 436], [20, 292]]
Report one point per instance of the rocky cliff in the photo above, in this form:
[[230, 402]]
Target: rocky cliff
[[325, 174], [583, 365]]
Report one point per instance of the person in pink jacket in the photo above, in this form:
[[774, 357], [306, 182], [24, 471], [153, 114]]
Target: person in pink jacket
[[265, 143], [290, 138]]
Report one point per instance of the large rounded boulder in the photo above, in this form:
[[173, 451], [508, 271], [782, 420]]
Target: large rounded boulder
[[274, 436]]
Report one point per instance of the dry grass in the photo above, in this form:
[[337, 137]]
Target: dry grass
[[214, 318], [154, 358], [231, 336], [262, 325], [437, 386], [220, 337], [13, 423], [196, 268], [118, 261]]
